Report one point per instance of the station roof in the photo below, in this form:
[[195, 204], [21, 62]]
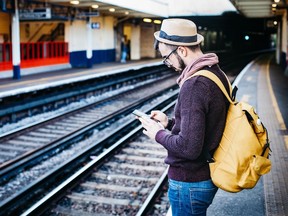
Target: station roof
[[260, 8], [152, 8], [119, 8], [174, 8]]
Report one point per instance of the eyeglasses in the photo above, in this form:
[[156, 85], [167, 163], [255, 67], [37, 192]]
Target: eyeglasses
[[165, 60]]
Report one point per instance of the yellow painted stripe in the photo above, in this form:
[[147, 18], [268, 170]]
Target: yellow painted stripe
[[275, 104], [286, 141]]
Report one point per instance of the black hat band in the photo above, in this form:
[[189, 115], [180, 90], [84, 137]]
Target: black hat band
[[175, 38]]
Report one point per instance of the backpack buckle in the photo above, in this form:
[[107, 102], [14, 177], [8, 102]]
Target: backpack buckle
[[210, 160]]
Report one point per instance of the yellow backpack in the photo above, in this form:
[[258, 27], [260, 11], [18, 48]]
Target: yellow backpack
[[242, 155]]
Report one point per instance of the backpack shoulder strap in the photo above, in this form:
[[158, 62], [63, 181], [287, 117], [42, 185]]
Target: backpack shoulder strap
[[217, 81]]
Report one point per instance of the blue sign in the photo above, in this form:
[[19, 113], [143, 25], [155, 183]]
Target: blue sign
[[95, 25]]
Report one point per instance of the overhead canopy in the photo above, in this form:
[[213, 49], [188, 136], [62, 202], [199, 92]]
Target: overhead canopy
[[117, 8], [153, 8], [174, 8], [259, 8], [199, 7]]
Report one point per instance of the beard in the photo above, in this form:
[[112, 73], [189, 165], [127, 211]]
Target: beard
[[181, 66]]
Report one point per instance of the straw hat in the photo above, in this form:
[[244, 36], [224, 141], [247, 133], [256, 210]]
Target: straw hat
[[181, 32]]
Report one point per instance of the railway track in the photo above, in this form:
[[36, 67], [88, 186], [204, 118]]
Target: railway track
[[27, 104], [120, 185], [133, 162], [126, 179], [50, 134], [10, 195]]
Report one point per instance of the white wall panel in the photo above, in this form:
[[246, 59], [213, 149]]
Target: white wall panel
[[135, 43], [102, 39], [147, 41], [76, 35]]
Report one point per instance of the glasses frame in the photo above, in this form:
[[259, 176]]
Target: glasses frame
[[167, 63]]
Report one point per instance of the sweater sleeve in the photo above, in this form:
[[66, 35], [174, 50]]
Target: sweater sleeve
[[193, 106]]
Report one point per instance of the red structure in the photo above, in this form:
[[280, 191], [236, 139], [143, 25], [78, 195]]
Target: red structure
[[35, 54]]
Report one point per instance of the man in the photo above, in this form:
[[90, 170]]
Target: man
[[199, 118], [124, 49]]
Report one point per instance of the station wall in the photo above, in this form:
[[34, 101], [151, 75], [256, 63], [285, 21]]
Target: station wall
[[35, 31], [29, 31], [4, 27], [103, 46], [147, 41], [135, 43], [105, 43]]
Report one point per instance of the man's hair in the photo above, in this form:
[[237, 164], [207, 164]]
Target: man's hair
[[156, 44], [172, 47]]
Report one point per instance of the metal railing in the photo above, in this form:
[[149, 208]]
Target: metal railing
[[34, 51]]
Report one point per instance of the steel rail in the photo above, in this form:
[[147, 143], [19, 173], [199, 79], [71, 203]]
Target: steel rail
[[14, 104], [43, 204], [21, 197], [8, 169]]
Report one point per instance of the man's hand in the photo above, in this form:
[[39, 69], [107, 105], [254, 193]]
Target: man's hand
[[159, 116], [151, 127]]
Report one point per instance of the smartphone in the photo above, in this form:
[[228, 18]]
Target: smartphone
[[144, 115], [140, 114]]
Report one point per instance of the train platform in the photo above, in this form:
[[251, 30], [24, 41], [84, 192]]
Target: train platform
[[263, 84], [34, 79]]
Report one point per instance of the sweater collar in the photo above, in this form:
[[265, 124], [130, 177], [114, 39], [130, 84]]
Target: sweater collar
[[208, 59]]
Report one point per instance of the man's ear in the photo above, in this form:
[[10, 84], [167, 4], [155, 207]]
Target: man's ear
[[182, 51]]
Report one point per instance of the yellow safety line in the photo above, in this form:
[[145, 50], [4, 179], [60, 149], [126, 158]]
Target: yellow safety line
[[275, 104]]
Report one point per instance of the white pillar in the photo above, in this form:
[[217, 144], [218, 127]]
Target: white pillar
[[284, 39], [278, 44], [135, 43], [89, 43], [16, 43]]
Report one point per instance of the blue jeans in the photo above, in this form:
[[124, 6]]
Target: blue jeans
[[190, 198], [123, 56]]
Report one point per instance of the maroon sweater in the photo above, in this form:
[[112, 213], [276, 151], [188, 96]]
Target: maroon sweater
[[199, 121]]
